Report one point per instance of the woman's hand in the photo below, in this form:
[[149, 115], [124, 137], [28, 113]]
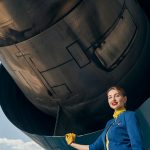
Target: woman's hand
[[70, 138]]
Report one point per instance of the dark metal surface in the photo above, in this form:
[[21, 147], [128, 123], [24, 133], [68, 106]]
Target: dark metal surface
[[59, 143], [20, 20]]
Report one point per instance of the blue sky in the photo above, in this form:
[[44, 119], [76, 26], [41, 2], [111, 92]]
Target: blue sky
[[12, 138]]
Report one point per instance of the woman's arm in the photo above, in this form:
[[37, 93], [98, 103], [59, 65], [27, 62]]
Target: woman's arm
[[70, 139], [79, 146]]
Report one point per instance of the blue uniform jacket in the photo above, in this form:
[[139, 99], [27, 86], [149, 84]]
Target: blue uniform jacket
[[124, 134]]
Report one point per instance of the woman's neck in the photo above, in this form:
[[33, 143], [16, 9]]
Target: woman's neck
[[120, 109], [117, 112]]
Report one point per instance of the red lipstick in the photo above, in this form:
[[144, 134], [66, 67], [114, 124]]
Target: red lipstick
[[114, 103]]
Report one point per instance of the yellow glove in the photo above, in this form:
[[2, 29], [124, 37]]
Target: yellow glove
[[70, 138]]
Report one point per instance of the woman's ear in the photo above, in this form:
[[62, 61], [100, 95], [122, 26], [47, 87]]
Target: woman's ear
[[125, 99]]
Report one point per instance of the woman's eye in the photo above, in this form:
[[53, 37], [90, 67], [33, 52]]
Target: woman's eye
[[117, 95]]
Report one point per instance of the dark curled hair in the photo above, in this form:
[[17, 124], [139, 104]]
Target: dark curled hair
[[118, 88]]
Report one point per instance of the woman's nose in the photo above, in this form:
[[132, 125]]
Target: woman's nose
[[113, 98]]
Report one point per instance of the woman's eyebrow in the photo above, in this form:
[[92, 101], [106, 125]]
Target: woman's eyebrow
[[115, 94]]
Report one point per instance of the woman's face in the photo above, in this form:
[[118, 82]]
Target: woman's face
[[116, 100]]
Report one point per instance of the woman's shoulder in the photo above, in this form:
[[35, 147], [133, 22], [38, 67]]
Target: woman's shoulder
[[130, 114], [127, 114]]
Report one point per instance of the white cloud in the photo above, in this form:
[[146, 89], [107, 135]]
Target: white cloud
[[18, 144]]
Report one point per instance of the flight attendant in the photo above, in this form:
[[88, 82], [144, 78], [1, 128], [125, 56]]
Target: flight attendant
[[121, 133]]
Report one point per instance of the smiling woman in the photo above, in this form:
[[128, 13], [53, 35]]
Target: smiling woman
[[116, 98], [124, 126]]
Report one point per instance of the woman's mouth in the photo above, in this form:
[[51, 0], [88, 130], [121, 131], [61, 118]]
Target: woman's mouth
[[114, 103]]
